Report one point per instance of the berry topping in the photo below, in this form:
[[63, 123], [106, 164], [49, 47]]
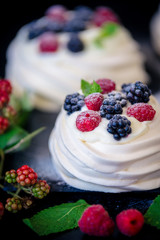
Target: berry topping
[[119, 126], [130, 222], [13, 204], [94, 101], [11, 176], [88, 121], [112, 105], [48, 43], [1, 210], [136, 92], [74, 25], [56, 13], [104, 15], [26, 176], [75, 44], [73, 102], [4, 124], [141, 111], [83, 12], [95, 221], [5, 86], [40, 189], [106, 85]]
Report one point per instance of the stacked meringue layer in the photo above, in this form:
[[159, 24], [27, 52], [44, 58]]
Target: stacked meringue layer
[[94, 161]]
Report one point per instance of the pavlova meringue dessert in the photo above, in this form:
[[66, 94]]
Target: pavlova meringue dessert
[[108, 140], [155, 31], [48, 55]]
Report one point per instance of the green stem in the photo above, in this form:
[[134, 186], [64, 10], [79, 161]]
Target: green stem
[[11, 193], [2, 162]]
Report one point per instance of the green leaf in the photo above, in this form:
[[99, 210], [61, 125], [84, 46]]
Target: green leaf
[[88, 88], [23, 142], [57, 219], [152, 216], [11, 136]]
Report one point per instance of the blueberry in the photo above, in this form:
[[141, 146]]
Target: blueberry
[[74, 25], [73, 102], [75, 44]]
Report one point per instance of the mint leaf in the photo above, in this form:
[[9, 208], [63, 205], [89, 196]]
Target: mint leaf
[[152, 216], [57, 219], [88, 88]]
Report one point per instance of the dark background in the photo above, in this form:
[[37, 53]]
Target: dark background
[[136, 16]]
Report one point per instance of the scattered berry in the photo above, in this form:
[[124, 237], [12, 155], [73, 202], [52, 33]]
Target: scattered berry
[[48, 43], [56, 13], [119, 126], [13, 204], [130, 222], [83, 12], [5, 86], [141, 111], [73, 102], [75, 44], [26, 176], [4, 124], [88, 121], [4, 99], [1, 210], [94, 101], [11, 176], [40, 189], [54, 26], [106, 85], [74, 25], [95, 221], [136, 92], [104, 15]]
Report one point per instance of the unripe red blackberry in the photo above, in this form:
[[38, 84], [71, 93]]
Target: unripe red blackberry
[[40, 189], [26, 176], [1, 210], [4, 124], [10, 176], [13, 205], [4, 99], [5, 86], [9, 112]]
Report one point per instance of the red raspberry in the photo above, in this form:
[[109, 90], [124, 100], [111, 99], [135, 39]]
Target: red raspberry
[[141, 111], [5, 86], [94, 101], [1, 210], [26, 176], [4, 99], [56, 13], [106, 85], [95, 221], [88, 121], [48, 43], [130, 222], [4, 124], [104, 15]]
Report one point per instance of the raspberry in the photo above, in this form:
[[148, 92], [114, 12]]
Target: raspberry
[[119, 126], [40, 189], [4, 99], [94, 101], [73, 102], [26, 176], [13, 204], [87, 121], [5, 86], [106, 85], [75, 44], [10, 176], [95, 221], [56, 13], [141, 111], [48, 42], [4, 124], [1, 210], [104, 15], [130, 222]]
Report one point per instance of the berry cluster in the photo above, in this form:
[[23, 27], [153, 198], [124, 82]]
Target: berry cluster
[[73, 102], [58, 19], [136, 92], [24, 178], [119, 126], [95, 221], [6, 112]]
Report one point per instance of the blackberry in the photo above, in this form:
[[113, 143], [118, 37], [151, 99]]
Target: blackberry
[[119, 126], [40, 189], [13, 205], [75, 25], [112, 105], [10, 176], [136, 92], [75, 44], [83, 12], [73, 102]]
